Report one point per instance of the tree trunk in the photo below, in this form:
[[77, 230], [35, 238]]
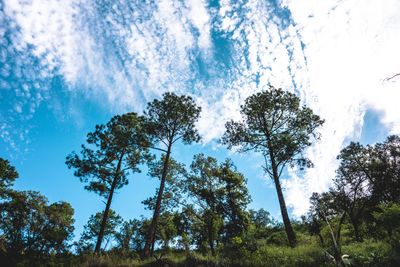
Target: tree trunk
[[336, 241], [210, 237], [354, 222], [285, 217], [340, 227], [321, 239], [107, 209], [152, 245], [153, 227]]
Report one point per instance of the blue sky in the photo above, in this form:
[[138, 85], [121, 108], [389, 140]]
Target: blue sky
[[66, 66]]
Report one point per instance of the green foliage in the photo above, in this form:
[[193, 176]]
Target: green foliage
[[368, 174], [371, 253], [275, 125], [260, 228], [172, 195], [307, 254], [130, 236], [235, 200], [166, 230], [385, 169], [220, 197], [273, 121], [351, 189], [168, 120], [366, 181], [278, 239], [173, 118], [30, 226], [92, 231], [260, 218], [363, 203], [8, 174], [387, 221], [113, 150]]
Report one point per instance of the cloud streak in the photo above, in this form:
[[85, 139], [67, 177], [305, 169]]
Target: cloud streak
[[334, 54], [350, 49]]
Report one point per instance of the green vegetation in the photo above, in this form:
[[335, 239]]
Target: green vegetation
[[201, 215], [167, 121], [114, 150], [275, 125]]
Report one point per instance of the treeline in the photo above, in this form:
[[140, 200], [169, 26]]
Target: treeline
[[30, 227], [200, 214]]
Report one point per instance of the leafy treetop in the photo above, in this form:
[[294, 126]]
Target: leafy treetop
[[173, 118]]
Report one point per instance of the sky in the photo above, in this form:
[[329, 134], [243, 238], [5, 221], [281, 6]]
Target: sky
[[66, 66]]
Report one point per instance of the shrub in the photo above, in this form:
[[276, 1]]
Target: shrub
[[372, 253]]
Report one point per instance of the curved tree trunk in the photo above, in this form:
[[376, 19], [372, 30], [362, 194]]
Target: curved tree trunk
[[153, 227], [107, 209]]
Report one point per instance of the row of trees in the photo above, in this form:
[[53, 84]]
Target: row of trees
[[273, 123], [362, 205], [119, 147], [204, 207]]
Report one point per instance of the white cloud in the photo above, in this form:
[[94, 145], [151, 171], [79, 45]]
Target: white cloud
[[350, 49], [261, 56], [129, 53], [201, 20], [48, 26]]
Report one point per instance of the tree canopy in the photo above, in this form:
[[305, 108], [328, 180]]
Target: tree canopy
[[274, 123], [168, 120], [8, 174], [113, 150]]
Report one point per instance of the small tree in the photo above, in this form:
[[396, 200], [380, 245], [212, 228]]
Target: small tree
[[387, 220], [168, 120], [325, 207], [114, 150], [172, 195], [235, 201], [57, 228], [8, 174], [93, 227], [385, 170], [28, 225], [351, 188], [220, 197], [207, 191], [130, 236], [275, 125]]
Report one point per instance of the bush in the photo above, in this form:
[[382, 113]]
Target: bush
[[278, 239], [372, 253], [305, 254]]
